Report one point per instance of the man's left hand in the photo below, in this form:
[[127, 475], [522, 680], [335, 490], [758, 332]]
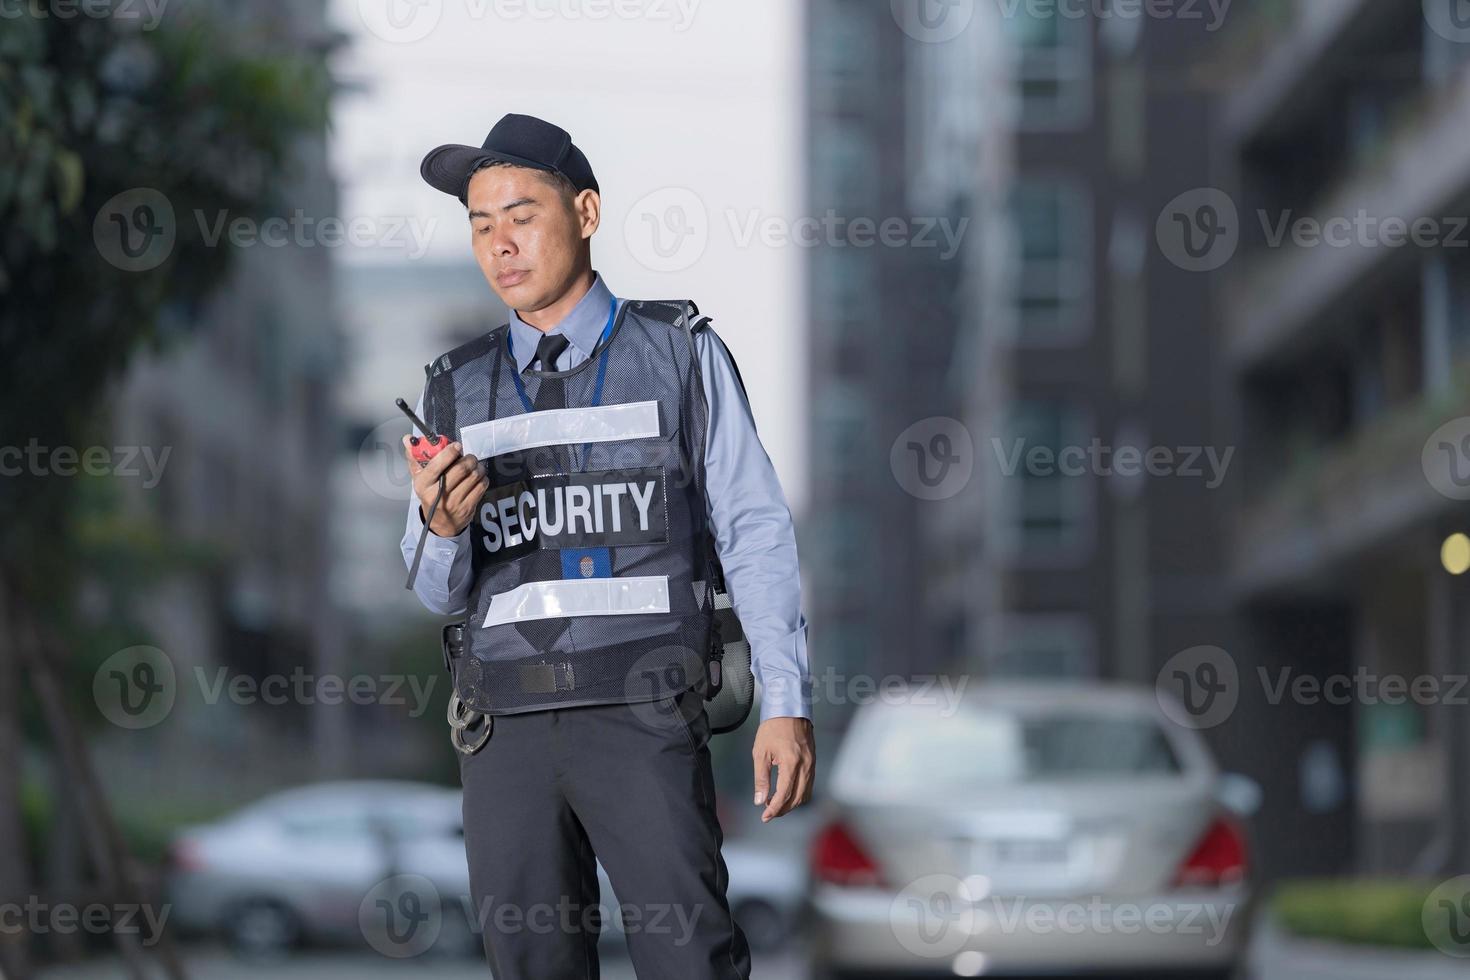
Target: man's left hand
[[789, 744]]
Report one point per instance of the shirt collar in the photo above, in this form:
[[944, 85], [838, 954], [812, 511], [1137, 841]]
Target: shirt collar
[[582, 326]]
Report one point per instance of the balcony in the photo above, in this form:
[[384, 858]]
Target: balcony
[[1286, 44], [1279, 295], [1334, 507]]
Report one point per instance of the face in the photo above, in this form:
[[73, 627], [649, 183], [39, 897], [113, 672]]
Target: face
[[529, 243]]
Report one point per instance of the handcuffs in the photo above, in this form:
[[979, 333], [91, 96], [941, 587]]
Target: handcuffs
[[462, 718]]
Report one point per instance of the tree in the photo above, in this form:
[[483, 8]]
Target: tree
[[92, 107]]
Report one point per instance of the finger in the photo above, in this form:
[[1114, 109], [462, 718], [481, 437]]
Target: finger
[[801, 789], [459, 472], [784, 781], [426, 477], [461, 501], [762, 778], [808, 780], [442, 461]]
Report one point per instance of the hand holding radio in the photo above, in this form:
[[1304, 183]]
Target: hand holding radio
[[448, 483]]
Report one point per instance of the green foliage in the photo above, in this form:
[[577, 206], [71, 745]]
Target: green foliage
[[89, 108], [1381, 912]]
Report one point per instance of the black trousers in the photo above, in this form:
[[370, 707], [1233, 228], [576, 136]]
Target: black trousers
[[630, 784]]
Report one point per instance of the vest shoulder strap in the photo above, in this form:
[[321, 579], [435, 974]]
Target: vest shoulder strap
[[675, 312], [465, 352]]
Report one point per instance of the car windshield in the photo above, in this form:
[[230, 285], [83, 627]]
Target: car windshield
[[982, 747]]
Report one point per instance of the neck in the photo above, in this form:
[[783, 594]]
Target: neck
[[556, 311]]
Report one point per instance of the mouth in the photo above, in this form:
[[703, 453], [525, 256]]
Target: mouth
[[512, 276]]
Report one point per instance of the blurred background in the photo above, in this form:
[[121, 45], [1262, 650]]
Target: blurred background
[[1114, 356]]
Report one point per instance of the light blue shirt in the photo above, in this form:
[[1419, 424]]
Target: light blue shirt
[[747, 510]]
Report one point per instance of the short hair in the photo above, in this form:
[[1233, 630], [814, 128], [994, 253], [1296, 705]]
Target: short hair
[[559, 181]]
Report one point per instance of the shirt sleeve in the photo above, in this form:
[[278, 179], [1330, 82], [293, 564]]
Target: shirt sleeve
[[443, 583], [755, 538]]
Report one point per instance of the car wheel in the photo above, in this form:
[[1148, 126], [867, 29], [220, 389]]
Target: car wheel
[[762, 923], [261, 929]]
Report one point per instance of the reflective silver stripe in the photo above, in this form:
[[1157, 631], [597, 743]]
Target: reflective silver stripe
[[555, 426], [627, 595]]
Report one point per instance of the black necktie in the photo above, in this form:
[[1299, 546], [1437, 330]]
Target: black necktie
[[549, 348], [551, 392], [546, 565]]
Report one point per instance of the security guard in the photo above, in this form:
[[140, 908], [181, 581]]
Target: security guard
[[604, 469]]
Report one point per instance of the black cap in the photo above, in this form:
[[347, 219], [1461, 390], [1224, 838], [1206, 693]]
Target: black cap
[[522, 140]]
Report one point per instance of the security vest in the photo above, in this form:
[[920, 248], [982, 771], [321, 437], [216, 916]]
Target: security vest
[[592, 559]]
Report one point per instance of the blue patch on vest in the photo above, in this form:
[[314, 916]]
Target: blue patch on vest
[[586, 563]]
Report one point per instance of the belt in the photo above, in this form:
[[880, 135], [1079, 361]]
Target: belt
[[547, 678]]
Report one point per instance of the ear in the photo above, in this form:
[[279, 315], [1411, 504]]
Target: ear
[[588, 208]]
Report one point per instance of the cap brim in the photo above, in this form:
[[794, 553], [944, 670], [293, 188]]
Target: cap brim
[[447, 167]]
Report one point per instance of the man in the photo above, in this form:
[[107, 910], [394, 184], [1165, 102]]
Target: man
[[579, 545]]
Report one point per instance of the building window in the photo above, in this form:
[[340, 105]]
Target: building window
[[1052, 238], [1053, 67], [843, 55], [845, 289], [1042, 645], [845, 172], [1045, 486]]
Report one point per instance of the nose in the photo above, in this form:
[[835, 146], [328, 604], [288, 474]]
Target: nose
[[501, 241]]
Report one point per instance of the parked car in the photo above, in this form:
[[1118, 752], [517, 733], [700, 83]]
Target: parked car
[[295, 867], [1027, 828]]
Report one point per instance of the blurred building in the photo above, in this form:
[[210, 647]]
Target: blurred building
[[1094, 567], [244, 408], [896, 132], [1057, 327], [1348, 352]]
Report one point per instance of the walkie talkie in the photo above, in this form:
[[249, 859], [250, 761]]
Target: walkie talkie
[[422, 449]]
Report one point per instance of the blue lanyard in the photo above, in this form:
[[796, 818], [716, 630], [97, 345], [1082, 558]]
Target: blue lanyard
[[612, 309]]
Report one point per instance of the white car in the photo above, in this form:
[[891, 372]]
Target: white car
[[1028, 828], [297, 867]]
